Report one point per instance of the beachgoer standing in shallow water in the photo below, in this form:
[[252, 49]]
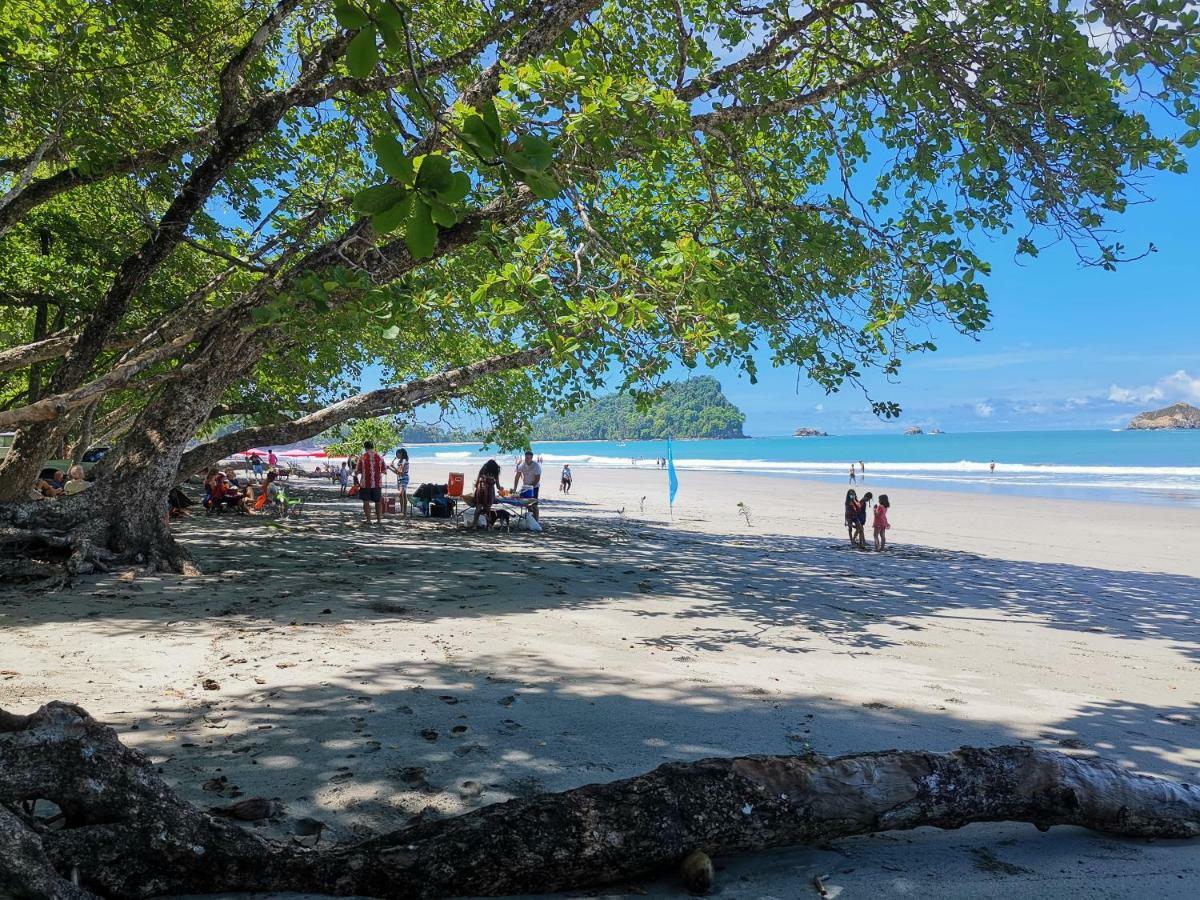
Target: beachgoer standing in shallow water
[[853, 480], [992, 467], [880, 524], [862, 470]]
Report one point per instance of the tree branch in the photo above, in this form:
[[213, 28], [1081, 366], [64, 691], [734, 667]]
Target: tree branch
[[384, 401], [127, 834]]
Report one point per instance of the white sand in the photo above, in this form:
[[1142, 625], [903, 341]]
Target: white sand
[[615, 641]]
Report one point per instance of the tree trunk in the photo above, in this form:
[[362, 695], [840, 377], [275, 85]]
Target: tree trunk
[[126, 834], [40, 323], [86, 425]]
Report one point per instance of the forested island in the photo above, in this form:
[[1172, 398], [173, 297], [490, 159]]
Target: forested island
[[695, 408]]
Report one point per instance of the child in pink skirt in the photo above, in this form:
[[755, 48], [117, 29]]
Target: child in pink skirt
[[880, 525]]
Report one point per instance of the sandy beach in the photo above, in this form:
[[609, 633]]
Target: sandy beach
[[365, 675]]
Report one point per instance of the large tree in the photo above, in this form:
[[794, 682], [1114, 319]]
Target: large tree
[[222, 208]]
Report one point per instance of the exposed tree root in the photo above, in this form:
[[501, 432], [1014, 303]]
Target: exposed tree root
[[126, 834], [54, 541]]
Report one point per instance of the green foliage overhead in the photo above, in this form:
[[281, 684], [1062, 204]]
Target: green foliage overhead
[[695, 408], [823, 183], [383, 432]]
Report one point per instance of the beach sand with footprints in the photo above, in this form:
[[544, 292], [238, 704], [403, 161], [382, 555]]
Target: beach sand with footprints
[[363, 676]]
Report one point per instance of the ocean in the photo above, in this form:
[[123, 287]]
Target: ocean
[[1161, 467]]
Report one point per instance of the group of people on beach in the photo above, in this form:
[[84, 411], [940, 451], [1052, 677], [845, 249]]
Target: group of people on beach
[[363, 477], [527, 485], [856, 511], [224, 490]]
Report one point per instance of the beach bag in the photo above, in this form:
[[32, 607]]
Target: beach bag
[[391, 504], [353, 491], [441, 508], [261, 501]]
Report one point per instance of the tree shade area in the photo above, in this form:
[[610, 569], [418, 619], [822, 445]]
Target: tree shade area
[[687, 409], [230, 208]]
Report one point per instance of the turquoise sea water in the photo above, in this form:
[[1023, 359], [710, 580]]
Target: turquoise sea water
[[1133, 466]]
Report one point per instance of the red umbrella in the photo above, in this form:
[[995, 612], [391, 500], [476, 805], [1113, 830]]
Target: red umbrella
[[300, 453], [252, 451]]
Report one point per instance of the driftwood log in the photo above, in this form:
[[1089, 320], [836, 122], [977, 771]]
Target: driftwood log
[[126, 834]]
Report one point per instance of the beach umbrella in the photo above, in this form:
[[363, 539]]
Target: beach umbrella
[[252, 451], [299, 453]]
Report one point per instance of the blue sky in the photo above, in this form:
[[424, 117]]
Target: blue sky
[[1069, 347]]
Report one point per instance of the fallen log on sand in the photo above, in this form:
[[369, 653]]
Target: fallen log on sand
[[125, 834]]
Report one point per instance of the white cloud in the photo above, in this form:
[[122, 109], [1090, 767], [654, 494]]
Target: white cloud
[[820, 407], [1172, 388], [984, 410]]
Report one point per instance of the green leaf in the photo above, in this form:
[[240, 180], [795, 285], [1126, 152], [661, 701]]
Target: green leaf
[[390, 334], [477, 135], [377, 199], [392, 157], [391, 38], [421, 234], [362, 54], [434, 175], [350, 16], [389, 13], [442, 214], [519, 161], [543, 186], [537, 150], [491, 119], [391, 219], [460, 186]]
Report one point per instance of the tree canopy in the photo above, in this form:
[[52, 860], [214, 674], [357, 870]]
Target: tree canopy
[[233, 208]]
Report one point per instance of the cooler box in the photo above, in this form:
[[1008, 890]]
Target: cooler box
[[454, 487]]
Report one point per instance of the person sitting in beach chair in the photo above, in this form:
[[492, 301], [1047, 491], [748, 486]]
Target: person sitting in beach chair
[[48, 484], [221, 496]]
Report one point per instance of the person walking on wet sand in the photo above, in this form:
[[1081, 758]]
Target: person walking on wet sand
[[880, 524], [853, 480]]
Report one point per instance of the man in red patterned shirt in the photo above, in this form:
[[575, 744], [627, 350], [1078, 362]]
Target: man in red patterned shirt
[[370, 482]]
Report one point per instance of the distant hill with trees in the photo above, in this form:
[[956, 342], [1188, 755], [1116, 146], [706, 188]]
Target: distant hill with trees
[[695, 408]]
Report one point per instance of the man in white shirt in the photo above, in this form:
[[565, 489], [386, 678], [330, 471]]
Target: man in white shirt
[[529, 473]]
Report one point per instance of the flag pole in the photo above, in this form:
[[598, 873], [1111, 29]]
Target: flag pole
[[672, 478]]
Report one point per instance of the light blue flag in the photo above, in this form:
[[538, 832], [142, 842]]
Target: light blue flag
[[672, 478]]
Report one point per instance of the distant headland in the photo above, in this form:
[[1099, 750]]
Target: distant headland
[[695, 408], [809, 432], [1179, 415]]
